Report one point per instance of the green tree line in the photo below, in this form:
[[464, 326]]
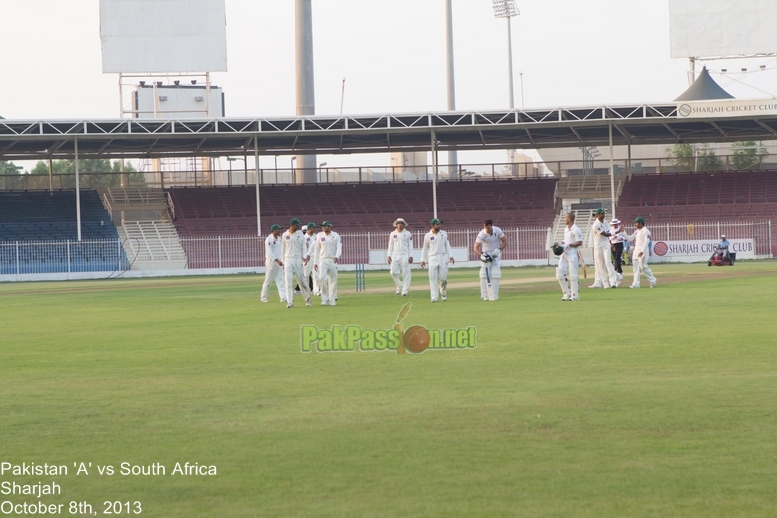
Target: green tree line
[[93, 173]]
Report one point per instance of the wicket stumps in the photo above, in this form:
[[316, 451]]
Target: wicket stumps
[[361, 284]]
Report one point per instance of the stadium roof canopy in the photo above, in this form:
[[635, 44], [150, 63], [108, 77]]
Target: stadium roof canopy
[[665, 124], [704, 89]]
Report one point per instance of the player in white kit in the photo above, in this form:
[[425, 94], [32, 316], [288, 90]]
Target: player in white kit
[[605, 274], [639, 255], [491, 240], [273, 265], [400, 256], [326, 254], [437, 253], [310, 240], [294, 258], [568, 261]]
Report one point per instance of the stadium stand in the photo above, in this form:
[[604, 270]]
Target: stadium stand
[[701, 197], [212, 211], [43, 216], [152, 245]]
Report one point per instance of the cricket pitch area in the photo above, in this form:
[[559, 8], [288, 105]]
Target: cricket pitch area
[[649, 402]]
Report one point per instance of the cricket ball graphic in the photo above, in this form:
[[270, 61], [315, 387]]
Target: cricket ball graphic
[[417, 339]]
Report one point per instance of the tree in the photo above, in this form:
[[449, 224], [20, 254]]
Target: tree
[[11, 177], [747, 155], [699, 157], [94, 173]]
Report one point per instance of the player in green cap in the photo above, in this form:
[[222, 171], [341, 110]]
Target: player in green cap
[[273, 265], [327, 251], [639, 257], [294, 258], [436, 252], [310, 241]]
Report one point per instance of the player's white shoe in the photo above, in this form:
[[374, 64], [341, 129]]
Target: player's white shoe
[[574, 298], [633, 287], [445, 297], [434, 300], [333, 303], [308, 303], [565, 297], [653, 284], [399, 291], [324, 303], [289, 306], [594, 286], [265, 301]]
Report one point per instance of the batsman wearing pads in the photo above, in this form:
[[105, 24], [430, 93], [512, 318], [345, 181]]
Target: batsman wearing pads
[[437, 253], [294, 258], [488, 246], [327, 252], [568, 261], [400, 256], [639, 258], [273, 265]]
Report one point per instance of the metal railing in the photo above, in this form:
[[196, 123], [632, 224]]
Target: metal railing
[[525, 246]]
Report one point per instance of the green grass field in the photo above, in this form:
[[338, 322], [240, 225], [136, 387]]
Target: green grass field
[[651, 402]]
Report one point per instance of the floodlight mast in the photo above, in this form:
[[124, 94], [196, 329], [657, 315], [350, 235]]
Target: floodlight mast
[[507, 9]]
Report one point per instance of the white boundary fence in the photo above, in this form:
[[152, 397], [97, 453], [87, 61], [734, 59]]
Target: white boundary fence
[[62, 260]]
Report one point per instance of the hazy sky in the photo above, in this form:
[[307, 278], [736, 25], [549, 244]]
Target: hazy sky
[[391, 52]]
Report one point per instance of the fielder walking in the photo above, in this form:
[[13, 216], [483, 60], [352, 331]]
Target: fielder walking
[[400, 256], [273, 266], [437, 253], [326, 254], [310, 241], [568, 261], [639, 255], [604, 275], [490, 241], [294, 258]]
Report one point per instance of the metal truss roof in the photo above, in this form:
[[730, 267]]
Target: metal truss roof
[[541, 128]]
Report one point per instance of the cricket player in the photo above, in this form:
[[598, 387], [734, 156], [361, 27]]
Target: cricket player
[[400, 256], [294, 258], [491, 240], [273, 266], [328, 249], [605, 274], [310, 241], [639, 255], [437, 253], [568, 261]]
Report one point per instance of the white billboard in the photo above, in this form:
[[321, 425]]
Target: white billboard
[[163, 36], [715, 28], [178, 102]]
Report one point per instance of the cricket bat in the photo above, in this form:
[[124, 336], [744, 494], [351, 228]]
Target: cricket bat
[[489, 287], [582, 262]]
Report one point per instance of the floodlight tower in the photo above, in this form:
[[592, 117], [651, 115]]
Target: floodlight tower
[[508, 9], [451, 90], [306, 96]]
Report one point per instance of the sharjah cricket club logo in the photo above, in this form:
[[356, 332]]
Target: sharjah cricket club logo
[[660, 248], [416, 339]]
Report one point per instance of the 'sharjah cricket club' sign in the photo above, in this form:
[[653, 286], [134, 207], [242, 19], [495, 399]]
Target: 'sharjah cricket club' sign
[[415, 339], [728, 108], [698, 250]]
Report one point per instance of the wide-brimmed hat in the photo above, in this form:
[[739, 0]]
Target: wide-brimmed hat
[[400, 220], [616, 221]]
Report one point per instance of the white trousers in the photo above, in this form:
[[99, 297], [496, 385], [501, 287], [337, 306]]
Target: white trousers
[[495, 272], [310, 271], [294, 272], [273, 273], [566, 273], [327, 269], [640, 265], [438, 276], [604, 274], [400, 266]]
